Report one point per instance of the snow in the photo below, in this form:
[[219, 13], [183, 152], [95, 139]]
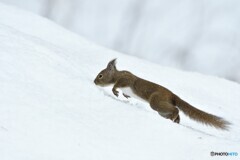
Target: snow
[[51, 109], [201, 36]]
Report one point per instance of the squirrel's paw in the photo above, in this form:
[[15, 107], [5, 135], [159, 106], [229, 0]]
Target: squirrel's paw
[[126, 96], [115, 92]]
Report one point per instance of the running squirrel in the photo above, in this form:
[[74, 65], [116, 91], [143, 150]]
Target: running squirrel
[[162, 100]]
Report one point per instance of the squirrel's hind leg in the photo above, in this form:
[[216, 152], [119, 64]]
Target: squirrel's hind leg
[[164, 107]]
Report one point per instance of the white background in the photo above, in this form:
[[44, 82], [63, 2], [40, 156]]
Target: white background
[[200, 35]]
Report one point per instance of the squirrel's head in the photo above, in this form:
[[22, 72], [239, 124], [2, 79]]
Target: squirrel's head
[[106, 76]]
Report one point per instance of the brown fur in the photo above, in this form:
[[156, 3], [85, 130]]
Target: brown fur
[[160, 98]]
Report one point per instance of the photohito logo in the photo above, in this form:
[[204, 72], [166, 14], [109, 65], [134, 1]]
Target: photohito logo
[[224, 153]]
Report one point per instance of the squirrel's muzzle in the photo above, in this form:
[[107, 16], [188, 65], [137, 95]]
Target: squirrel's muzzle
[[95, 81]]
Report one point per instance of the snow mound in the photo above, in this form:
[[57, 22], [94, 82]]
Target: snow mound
[[51, 109]]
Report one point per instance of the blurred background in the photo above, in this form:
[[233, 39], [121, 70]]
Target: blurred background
[[200, 36]]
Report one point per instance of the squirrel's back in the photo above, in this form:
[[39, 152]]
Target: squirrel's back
[[145, 88]]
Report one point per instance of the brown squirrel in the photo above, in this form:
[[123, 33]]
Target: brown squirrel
[[160, 98]]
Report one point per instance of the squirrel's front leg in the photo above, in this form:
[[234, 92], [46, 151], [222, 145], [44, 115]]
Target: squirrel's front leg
[[126, 96], [120, 83], [115, 92]]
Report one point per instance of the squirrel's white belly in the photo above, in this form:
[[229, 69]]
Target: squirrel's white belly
[[128, 91]]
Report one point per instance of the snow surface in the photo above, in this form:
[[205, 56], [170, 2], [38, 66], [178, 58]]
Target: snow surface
[[199, 35], [51, 109]]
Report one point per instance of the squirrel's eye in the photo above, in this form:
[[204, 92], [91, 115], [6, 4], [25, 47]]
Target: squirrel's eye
[[100, 76]]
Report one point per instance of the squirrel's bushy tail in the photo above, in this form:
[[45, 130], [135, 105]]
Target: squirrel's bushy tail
[[201, 116]]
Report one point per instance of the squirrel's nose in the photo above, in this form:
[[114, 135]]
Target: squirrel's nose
[[95, 81]]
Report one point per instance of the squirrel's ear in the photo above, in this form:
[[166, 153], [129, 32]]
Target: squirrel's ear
[[112, 64]]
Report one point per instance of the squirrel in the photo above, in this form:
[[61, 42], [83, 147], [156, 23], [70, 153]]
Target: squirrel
[[162, 100]]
